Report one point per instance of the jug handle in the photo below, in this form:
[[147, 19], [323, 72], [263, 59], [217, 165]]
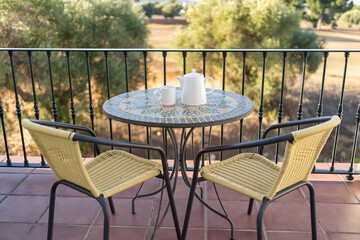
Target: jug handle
[[212, 86], [181, 81]]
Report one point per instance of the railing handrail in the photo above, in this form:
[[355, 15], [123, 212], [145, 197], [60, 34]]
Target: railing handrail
[[172, 50]]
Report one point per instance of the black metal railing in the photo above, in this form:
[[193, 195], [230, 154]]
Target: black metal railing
[[353, 117]]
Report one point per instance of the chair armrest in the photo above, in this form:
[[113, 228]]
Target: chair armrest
[[295, 123], [256, 143], [65, 125], [114, 143]]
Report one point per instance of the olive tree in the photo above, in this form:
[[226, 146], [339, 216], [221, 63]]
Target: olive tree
[[69, 24], [351, 17]]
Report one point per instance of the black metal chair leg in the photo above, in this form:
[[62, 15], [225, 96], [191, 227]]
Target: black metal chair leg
[[102, 202], [251, 203], [312, 210], [111, 203], [52, 209], [259, 219]]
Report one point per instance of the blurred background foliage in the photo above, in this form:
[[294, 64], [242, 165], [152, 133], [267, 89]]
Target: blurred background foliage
[[247, 24], [70, 24]]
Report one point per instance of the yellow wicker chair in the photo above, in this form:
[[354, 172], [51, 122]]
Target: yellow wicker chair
[[107, 174], [255, 176]]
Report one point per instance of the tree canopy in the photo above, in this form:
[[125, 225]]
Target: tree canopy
[[324, 10], [70, 24], [351, 17], [247, 24]]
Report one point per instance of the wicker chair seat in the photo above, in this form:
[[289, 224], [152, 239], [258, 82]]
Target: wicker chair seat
[[247, 173], [114, 171]]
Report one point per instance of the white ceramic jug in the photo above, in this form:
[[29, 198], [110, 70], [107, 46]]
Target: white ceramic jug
[[193, 90]]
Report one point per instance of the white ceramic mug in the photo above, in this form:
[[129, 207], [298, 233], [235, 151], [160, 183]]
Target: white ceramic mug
[[166, 95]]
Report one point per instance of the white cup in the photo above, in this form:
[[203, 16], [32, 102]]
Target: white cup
[[166, 95]]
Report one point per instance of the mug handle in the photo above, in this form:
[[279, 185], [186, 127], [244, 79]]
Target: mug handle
[[156, 95], [212, 86]]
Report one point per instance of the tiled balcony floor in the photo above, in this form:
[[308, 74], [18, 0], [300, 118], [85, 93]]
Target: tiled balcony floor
[[24, 200]]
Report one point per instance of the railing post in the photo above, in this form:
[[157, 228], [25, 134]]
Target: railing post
[[54, 108], [281, 105], [72, 105], [18, 108], [164, 133], [106, 54], [261, 106], [339, 112], [300, 108], [224, 55], [242, 93], [91, 106], [203, 129], [355, 141], [320, 105], [36, 108], [8, 161], [125, 54], [148, 129]]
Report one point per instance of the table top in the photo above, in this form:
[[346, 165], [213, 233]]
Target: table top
[[142, 108]]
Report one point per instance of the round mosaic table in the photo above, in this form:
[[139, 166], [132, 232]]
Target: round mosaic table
[[142, 108]]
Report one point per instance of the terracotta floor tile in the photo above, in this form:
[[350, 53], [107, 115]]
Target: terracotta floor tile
[[225, 235], [287, 216], [325, 177], [16, 170], [293, 235], [127, 233], [294, 196], [43, 170], [224, 193], [22, 208], [65, 191], [355, 188], [237, 211], [10, 181], [148, 187], [13, 231], [170, 233], [329, 191], [196, 219], [339, 217], [71, 210], [59, 232], [344, 236], [36, 184], [123, 215], [17, 159], [182, 190], [342, 166], [322, 165]]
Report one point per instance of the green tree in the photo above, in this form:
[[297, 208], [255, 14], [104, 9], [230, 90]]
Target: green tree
[[246, 24], [351, 17], [149, 9], [70, 24], [324, 10], [170, 9]]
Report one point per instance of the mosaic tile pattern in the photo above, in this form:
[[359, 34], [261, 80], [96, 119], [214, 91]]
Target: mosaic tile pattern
[[142, 108]]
